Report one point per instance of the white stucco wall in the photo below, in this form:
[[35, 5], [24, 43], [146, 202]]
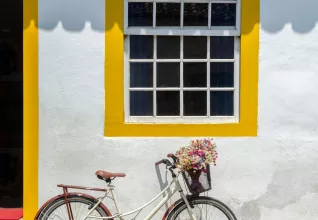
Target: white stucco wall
[[273, 176]]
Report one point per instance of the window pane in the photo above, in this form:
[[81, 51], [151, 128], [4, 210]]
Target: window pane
[[195, 47], [141, 47], [223, 14], [222, 75], [141, 74], [196, 14], [222, 103], [168, 14], [168, 74], [168, 47], [141, 103], [195, 103], [194, 75], [168, 103], [140, 14], [222, 47]]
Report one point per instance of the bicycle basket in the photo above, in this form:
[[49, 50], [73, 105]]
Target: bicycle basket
[[198, 181]]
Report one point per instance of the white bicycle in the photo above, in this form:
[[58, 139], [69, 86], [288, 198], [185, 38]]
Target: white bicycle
[[75, 206]]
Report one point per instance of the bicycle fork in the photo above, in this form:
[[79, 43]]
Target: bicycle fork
[[178, 186]]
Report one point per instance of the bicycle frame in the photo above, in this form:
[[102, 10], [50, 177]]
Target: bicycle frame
[[120, 215]]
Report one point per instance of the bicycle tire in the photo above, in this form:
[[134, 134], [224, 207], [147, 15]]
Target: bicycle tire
[[175, 212], [46, 213]]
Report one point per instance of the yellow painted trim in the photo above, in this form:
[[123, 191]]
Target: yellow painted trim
[[114, 82], [30, 109]]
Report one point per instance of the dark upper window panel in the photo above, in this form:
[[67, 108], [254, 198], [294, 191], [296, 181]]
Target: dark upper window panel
[[140, 14], [223, 14], [168, 14], [196, 14]]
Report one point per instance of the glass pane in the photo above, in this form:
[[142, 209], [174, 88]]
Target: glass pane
[[194, 103], [141, 47], [195, 47], [141, 74], [196, 14], [141, 103], [168, 74], [168, 103], [168, 14], [168, 47], [223, 14], [222, 75], [222, 47], [140, 14], [194, 75], [222, 103]]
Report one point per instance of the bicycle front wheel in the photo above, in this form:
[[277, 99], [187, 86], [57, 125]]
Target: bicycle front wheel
[[203, 208], [80, 207]]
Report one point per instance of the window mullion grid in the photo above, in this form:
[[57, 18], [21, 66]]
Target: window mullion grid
[[238, 15], [181, 76], [181, 59], [128, 78], [181, 15], [154, 11], [154, 101], [154, 76], [208, 78], [236, 78], [126, 15], [209, 15]]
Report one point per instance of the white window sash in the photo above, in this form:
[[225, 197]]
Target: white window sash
[[182, 118], [182, 30]]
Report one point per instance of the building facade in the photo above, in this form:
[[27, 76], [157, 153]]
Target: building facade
[[84, 110]]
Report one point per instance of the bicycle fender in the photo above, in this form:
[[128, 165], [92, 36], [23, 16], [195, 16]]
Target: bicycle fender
[[69, 194], [172, 206], [190, 198], [178, 202]]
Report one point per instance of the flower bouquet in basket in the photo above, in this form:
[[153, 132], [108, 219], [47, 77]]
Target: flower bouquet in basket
[[194, 161]]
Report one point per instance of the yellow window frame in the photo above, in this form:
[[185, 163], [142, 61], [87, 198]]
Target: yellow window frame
[[115, 125]]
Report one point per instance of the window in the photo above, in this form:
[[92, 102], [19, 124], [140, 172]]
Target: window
[[182, 61], [181, 67]]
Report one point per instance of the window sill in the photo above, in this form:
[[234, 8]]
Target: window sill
[[181, 120], [180, 130]]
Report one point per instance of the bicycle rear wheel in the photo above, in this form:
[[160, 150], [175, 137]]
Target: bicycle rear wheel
[[80, 207], [203, 208]]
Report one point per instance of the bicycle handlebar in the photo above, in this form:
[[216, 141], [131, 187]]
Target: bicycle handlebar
[[164, 161], [174, 158], [170, 166], [167, 162], [159, 162]]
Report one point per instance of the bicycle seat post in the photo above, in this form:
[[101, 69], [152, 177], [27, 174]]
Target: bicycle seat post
[[112, 191]]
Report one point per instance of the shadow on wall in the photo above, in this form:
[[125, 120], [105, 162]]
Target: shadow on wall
[[302, 15], [73, 14]]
